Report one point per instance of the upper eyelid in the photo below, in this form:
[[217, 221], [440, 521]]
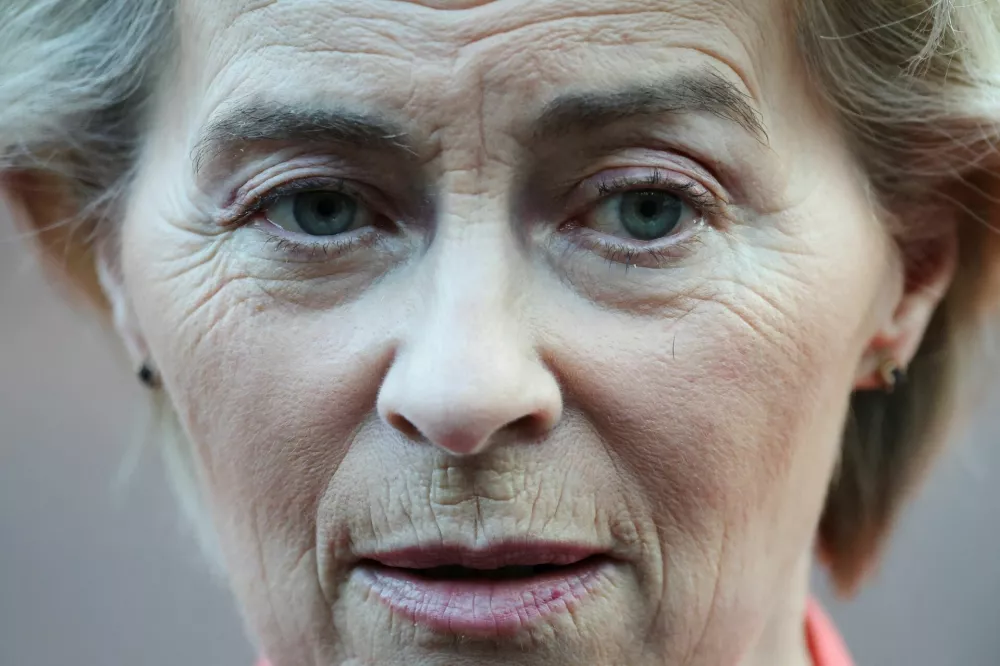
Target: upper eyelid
[[373, 178], [620, 185], [685, 186], [251, 203], [247, 201], [654, 176]]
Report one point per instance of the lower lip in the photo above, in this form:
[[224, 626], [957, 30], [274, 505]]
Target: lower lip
[[483, 608]]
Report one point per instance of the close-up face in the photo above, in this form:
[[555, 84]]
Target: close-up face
[[505, 332]]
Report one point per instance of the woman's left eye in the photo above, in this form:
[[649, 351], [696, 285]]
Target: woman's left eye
[[643, 215], [318, 213]]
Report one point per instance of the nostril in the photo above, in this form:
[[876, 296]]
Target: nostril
[[528, 422], [404, 425], [532, 425]]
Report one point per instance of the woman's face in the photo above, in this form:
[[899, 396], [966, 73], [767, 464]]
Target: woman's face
[[443, 291]]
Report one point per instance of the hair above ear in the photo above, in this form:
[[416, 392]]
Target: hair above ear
[[890, 438]]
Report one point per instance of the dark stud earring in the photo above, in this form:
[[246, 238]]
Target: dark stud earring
[[892, 374], [148, 376]]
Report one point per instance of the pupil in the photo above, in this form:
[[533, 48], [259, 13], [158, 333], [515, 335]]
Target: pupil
[[327, 207], [648, 208]]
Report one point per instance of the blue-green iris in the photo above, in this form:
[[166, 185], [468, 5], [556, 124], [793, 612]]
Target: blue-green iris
[[324, 213], [649, 215]]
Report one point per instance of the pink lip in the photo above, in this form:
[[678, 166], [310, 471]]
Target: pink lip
[[480, 606]]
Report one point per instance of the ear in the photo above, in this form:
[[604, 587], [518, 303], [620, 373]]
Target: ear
[[122, 313], [926, 270], [79, 257]]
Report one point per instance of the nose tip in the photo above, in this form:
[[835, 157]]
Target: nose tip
[[471, 432], [464, 416]]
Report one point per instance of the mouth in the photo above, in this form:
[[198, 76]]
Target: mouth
[[515, 572], [490, 592]]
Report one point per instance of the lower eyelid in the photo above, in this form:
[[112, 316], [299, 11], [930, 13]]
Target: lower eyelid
[[300, 247], [609, 249]]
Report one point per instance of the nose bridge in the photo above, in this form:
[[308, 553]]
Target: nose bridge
[[468, 368], [470, 327], [474, 289]]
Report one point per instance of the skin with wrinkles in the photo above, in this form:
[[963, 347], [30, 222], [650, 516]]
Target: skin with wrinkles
[[682, 413]]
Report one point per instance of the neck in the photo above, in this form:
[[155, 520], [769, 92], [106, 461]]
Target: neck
[[783, 640]]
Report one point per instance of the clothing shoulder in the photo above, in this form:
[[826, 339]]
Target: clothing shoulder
[[825, 644]]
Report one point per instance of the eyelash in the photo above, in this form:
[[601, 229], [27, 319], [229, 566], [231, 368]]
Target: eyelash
[[704, 203], [693, 193], [319, 249]]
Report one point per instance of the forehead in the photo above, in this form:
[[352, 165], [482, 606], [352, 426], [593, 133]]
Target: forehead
[[437, 59]]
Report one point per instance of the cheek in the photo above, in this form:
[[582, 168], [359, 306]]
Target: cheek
[[724, 416], [270, 387], [727, 409], [281, 396]]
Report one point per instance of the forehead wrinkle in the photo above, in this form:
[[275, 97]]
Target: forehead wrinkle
[[361, 26], [631, 17], [464, 23], [448, 5], [628, 25]]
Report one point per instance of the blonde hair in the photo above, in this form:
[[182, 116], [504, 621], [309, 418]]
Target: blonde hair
[[916, 86], [914, 83]]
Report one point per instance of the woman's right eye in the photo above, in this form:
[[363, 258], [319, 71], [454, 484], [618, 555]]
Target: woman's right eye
[[318, 213]]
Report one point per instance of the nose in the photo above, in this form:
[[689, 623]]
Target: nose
[[468, 371]]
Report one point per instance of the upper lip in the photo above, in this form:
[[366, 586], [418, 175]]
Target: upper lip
[[493, 556]]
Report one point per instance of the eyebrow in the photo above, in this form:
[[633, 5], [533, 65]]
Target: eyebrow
[[256, 122], [270, 121], [702, 92]]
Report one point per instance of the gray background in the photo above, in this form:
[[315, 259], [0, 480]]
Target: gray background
[[98, 573]]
